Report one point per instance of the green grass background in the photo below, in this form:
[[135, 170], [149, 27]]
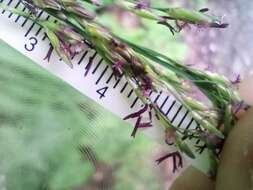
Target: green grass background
[[42, 125]]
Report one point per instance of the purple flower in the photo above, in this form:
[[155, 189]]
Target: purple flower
[[78, 47], [218, 25], [138, 123], [138, 113], [117, 66], [175, 156], [64, 40], [49, 53], [145, 125], [146, 86], [143, 4], [237, 80], [136, 126]]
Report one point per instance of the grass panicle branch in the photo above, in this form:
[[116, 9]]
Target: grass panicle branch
[[145, 69]]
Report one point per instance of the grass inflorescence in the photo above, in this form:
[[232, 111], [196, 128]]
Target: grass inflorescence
[[146, 69]]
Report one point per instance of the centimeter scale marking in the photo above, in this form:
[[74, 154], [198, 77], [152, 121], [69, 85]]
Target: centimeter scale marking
[[100, 84]]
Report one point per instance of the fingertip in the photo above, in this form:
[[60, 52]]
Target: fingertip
[[246, 89], [192, 179], [236, 162]]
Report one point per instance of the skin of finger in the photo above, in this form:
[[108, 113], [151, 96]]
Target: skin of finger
[[246, 89], [192, 179], [236, 166]]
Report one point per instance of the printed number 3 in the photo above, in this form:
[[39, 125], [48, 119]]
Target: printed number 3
[[32, 43]]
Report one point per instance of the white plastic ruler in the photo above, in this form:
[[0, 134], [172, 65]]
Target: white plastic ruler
[[100, 84]]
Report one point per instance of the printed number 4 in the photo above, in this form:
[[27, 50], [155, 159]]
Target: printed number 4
[[102, 91], [32, 43]]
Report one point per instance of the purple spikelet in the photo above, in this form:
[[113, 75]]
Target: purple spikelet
[[49, 53], [175, 156]]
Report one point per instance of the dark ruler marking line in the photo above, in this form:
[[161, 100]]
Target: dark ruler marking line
[[40, 28], [170, 107], [25, 21], [3, 11], [23, 10], [91, 59], [189, 124], [179, 109], [109, 79], [158, 96], [134, 102], [83, 56], [98, 64], [124, 87], [10, 15], [130, 93], [31, 27], [150, 93], [164, 102], [117, 82], [89, 63], [45, 36], [180, 123], [102, 74]]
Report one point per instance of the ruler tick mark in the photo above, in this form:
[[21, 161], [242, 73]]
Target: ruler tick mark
[[130, 93], [170, 107], [173, 119], [3, 11], [180, 123], [98, 64], [10, 15], [91, 59], [109, 79], [83, 56], [124, 87], [18, 17], [189, 124], [134, 102], [158, 96], [24, 23], [89, 64], [102, 74], [30, 28], [40, 28], [117, 82], [164, 102]]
